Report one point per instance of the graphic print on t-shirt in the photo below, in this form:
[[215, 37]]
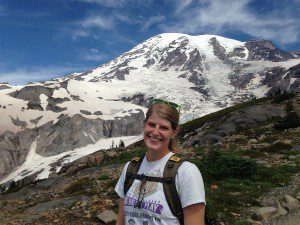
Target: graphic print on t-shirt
[[149, 189]]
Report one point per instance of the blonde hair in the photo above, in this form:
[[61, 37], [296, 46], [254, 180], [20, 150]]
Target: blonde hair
[[169, 113]]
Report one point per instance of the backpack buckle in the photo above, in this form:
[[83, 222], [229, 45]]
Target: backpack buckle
[[135, 159], [175, 158]]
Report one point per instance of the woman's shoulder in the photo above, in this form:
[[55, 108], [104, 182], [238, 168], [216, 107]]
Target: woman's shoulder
[[187, 166]]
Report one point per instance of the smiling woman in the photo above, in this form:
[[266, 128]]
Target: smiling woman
[[161, 188]]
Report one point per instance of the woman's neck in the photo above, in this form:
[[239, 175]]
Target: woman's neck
[[153, 156]]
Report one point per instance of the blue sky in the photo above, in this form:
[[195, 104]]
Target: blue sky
[[43, 39]]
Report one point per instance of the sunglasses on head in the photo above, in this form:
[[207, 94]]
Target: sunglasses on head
[[172, 104]]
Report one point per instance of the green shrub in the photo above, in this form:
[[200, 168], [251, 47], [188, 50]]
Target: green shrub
[[218, 165], [252, 153], [279, 148], [291, 120], [103, 177], [278, 174], [242, 222], [282, 97]]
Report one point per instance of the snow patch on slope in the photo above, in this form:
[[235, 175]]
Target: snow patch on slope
[[37, 163]]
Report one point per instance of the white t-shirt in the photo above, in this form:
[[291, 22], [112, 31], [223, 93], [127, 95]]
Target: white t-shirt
[[154, 209]]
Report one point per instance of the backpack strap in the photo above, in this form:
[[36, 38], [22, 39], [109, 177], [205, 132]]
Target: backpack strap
[[170, 189], [168, 181], [131, 172]]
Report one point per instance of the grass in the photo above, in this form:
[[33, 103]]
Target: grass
[[241, 182]]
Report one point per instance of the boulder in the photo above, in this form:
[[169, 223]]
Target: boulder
[[264, 213], [253, 222], [79, 164], [298, 195], [290, 203], [281, 210], [108, 216], [295, 148], [258, 146], [57, 203], [252, 141], [112, 154], [283, 141]]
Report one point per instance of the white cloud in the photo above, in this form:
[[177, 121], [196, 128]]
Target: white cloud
[[219, 16], [93, 55], [107, 3], [98, 21], [78, 33], [153, 20], [25, 75]]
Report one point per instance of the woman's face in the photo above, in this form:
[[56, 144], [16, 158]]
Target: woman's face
[[157, 133]]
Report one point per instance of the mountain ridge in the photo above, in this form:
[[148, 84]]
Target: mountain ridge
[[168, 66]]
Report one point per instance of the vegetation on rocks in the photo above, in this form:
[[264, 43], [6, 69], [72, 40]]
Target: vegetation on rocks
[[238, 172]]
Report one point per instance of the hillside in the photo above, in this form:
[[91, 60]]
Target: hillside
[[249, 156]]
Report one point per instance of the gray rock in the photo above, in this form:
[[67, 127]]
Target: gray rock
[[138, 99], [149, 62], [290, 203], [16, 148], [204, 140], [283, 81], [4, 86], [240, 80], [76, 98], [281, 210], [175, 57], [298, 195], [36, 120], [28, 93], [283, 141], [194, 62], [77, 131], [85, 112], [226, 129], [34, 105], [197, 79], [252, 141], [219, 50], [112, 154], [99, 113], [258, 146], [79, 164], [253, 222], [18, 122], [108, 216], [265, 50], [265, 213], [57, 203]]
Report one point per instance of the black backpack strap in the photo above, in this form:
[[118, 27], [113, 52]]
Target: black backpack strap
[[152, 179], [131, 172], [170, 189]]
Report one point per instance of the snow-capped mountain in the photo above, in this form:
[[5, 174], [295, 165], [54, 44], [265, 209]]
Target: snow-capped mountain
[[202, 73]]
